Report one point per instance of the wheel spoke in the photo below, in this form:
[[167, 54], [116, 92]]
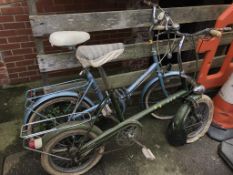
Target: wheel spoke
[[54, 151]]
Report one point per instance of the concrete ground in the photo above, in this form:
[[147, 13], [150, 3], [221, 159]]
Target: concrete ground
[[199, 158]]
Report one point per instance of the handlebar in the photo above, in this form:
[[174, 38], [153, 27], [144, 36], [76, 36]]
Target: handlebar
[[213, 32]]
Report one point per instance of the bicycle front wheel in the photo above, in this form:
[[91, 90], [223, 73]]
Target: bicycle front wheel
[[155, 94], [191, 123]]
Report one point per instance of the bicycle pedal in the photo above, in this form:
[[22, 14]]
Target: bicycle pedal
[[146, 151]]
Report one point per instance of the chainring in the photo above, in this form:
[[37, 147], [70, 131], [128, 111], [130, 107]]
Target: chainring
[[128, 134]]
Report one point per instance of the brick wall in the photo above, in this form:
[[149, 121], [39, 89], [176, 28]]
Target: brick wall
[[17, 45]]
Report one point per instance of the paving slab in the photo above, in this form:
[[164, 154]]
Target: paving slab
[[11, 104], [9, 132]]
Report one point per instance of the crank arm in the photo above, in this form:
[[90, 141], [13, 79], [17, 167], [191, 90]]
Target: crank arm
[[107, 135]]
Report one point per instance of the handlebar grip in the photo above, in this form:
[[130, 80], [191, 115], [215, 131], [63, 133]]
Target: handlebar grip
[[215, 33]]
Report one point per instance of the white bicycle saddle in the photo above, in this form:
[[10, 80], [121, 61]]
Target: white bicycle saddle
[[97, 55], [68, 38]]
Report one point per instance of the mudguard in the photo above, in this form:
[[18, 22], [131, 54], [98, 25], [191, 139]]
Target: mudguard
[[171, 73], [176, 134], [48, 97]]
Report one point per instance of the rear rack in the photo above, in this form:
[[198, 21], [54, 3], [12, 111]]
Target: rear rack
[[77, 85], [25, 132], [80, 86]]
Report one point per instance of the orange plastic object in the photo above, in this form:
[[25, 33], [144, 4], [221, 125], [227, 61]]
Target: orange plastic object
[[223, 113], [209, 47]]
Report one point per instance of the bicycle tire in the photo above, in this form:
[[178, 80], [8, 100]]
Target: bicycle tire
[[178, 133], [50, 141]]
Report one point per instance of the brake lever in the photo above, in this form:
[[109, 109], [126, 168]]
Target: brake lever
[[154, 16]]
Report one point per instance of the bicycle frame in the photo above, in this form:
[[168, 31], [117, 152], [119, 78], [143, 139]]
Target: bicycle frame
[[154, 68]]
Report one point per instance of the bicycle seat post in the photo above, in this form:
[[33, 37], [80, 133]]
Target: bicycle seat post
[[104, 78]]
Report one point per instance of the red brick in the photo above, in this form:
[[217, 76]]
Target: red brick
[[5, 47], [3, 41], [12, 10], [24, 31], [6, 19], [25, 62], [17, 69], [14, 25], [28, 44], [5, 33], [28, 74], [22, 51], [18, 39], [30, 56], [13, 58], [14, 75], [21, 18], [10, 65]]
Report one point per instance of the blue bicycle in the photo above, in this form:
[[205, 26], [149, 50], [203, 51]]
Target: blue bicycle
[[62, 125]]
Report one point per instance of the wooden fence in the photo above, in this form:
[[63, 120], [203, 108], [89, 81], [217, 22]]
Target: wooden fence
[[43, 25]]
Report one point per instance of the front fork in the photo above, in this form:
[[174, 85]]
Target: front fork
[[192, 100]]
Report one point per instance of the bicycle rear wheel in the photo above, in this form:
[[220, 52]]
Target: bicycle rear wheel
[[59, 106], [65, 145]]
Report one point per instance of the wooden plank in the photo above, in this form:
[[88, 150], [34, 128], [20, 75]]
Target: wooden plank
[[113, 20], [123, 80], [128, 78], [61, 61]]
